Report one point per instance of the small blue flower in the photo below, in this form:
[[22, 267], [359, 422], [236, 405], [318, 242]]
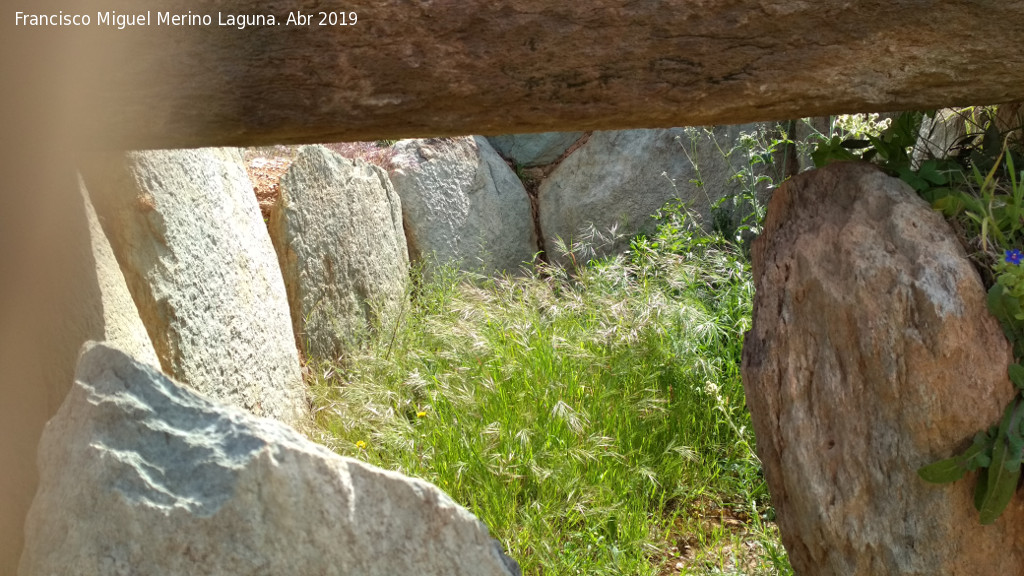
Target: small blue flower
[[1014, 257]]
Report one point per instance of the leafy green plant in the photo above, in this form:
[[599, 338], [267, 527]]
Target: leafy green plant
[[750, 159], [739, 216], [837, 129], [891, 149]]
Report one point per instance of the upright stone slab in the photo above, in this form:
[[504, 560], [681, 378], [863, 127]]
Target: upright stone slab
[[337, 229], [619, 179], [141, 476], [872, 353], [92, 303], [61, 287], [195, 252], [122, 326], [462, 205], [530, 150]]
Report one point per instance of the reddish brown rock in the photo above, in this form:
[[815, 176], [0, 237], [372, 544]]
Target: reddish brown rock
[[872, 353]]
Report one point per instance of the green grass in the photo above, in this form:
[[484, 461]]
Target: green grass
[[595, 421]]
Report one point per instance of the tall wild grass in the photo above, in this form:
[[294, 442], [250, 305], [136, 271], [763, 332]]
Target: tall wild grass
[[593, 418]]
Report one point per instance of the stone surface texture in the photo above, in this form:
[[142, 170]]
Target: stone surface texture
[[337, 229], [491, 67], [872, 353], [122, 326], [139, 475], [462, 205], [188, 235], [619, 179], [530, 150], [515, 66]]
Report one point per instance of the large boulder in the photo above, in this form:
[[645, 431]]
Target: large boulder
[[337, 229], [872, 353], [462, 205], [530, 150], [617, 180], [188, 235], [139, 475]]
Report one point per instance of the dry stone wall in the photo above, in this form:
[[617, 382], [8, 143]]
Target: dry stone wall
[[464, 206]]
